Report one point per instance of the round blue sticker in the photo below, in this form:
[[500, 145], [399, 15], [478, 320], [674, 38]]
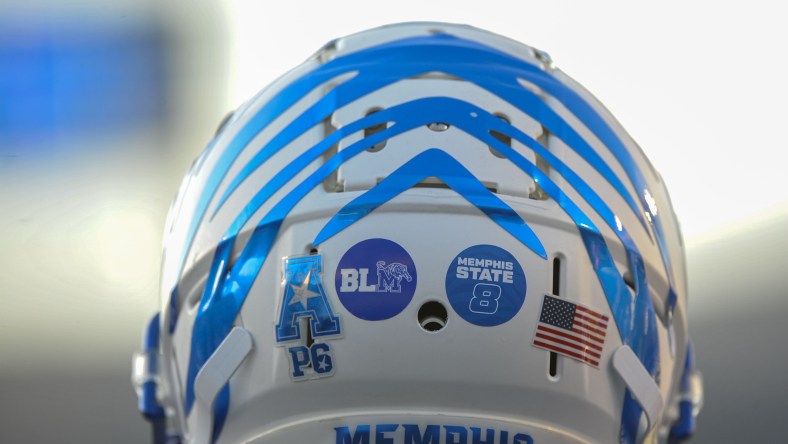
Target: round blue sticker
[[376, 279], [485, 285]]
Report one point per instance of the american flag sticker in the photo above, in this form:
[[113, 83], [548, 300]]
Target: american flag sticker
[[572, 330]]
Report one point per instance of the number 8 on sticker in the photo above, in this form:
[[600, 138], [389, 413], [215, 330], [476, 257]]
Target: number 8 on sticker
[[485, 298]]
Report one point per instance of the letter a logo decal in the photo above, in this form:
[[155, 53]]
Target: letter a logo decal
[[304, 297]]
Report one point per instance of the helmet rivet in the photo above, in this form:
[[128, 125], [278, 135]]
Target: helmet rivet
[[438, 126]]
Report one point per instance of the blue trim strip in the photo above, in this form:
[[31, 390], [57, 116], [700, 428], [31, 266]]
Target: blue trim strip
[[221, 405], [152, 335], [685, 426], [148, 403], [434, 163]]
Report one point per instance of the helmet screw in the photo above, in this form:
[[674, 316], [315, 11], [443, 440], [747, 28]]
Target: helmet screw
[[438, 126]]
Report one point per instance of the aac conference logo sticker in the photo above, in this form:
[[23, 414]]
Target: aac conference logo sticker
[[485, 285], [376, 279]]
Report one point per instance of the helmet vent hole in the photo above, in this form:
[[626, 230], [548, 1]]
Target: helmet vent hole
[[544, 139], [374, 129], [552, 365], [503, 138], [433, 316], [553, 370], [309, 338]]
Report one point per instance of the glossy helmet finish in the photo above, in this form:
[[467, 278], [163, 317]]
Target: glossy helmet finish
[[426, 233]]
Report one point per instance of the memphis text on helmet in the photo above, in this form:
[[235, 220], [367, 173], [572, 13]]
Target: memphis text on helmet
[[429, 434]]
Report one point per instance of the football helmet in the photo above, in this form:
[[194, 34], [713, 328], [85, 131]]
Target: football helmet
[[426, 233]]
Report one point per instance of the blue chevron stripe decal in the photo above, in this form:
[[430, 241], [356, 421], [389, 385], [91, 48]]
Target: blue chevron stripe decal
[[375, 68], [409, 57], [434, 163]]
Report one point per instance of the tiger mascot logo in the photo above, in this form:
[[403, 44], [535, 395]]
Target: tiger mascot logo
[[390, 276]]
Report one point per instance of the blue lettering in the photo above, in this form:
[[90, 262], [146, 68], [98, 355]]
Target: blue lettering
[[345, 437], [300, 357], [388, 284], [387, 434], [318, 356], [381, 429], [432, 434], [321, 358], [477, 436], [461, 435]]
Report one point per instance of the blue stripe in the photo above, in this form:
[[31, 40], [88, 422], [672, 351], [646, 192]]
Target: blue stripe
[[220, 408], [372, 66], [635, 317], [388, 63], [148, 402], [433, 57], [495, 71], [439, 164], [683, 428], [302, 161]]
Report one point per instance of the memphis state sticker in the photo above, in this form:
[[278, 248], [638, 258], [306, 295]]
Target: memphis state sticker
[[485, 285]]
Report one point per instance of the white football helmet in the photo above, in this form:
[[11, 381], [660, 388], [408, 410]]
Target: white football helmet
[[425, 234]]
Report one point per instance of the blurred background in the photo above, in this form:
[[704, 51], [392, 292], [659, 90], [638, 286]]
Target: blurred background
[[104, 105]]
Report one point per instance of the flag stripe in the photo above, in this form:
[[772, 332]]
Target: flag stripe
[[591, 321], [592, 312], [571, 330], [589, 328], [588, 335], [567, 352], [581, 348], [576, 338]]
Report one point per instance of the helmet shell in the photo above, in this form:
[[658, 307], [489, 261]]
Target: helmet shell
[[417, 190]]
